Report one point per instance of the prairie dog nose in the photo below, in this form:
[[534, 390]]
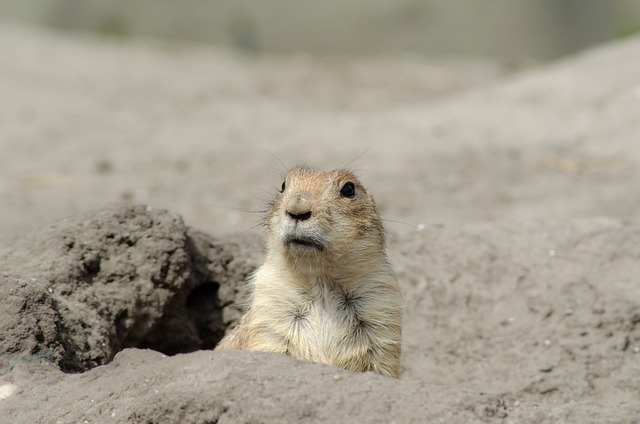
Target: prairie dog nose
[[299, 207]]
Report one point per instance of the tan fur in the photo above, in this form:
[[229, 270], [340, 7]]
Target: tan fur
[[332, 298]]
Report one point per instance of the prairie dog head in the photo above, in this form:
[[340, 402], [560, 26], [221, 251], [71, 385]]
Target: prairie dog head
[[325, 220]]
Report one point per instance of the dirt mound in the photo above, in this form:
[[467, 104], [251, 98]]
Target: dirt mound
[[85, 288], [504, 322], [231, 387]]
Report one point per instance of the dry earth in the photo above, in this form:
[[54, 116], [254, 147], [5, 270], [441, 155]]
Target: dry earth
[[521, 281]]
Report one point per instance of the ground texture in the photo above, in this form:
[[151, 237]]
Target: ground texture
[[127, 170]]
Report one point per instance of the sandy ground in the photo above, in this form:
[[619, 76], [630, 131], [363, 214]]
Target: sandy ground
[[519, 265]]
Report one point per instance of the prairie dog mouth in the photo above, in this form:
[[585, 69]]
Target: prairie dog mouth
[[303, 243]]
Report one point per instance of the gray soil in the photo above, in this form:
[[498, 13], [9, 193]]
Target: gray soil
[[520, 268]]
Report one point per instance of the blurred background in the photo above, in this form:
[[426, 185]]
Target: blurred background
[[537, 29], [197, 106]]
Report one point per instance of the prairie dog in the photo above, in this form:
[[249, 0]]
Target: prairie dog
[[325, 292]]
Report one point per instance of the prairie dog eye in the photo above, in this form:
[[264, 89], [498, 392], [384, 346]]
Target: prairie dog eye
[[348, 190], [284, 185]]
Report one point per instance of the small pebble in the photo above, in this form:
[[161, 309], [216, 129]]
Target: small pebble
[[7, 390]]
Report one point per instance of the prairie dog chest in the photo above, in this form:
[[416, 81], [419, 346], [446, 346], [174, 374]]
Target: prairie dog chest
[[328, 312], [322, 322]]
